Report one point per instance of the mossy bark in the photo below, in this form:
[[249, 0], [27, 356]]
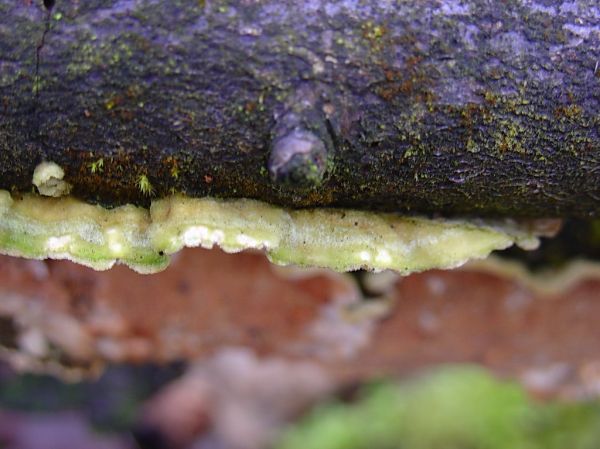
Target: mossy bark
[[471, 107]]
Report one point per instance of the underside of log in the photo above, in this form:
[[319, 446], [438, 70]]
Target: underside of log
[[62, 318], [472, 107]]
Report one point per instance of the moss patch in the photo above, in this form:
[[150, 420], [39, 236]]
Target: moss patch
[[456, 408], [67, 228]]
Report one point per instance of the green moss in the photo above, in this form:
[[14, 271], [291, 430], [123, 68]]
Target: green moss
[[66, 228], [456, 408], [144, 185], [97, 166]]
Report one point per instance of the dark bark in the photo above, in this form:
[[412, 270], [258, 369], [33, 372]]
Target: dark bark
[[476, 107], [577, 240]]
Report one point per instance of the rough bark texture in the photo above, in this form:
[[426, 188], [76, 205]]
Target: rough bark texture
[[472, 107]]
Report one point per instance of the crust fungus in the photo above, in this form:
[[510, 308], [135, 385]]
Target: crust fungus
[[59, 226]]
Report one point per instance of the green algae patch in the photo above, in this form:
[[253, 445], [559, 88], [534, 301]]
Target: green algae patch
[[66, 228]]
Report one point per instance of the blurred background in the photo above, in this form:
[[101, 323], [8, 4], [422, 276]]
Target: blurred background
[[228, 351]]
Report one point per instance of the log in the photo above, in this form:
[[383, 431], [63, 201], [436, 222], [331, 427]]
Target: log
[[445, 107]]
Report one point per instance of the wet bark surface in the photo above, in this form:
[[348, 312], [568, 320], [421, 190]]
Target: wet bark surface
[[473, 107]]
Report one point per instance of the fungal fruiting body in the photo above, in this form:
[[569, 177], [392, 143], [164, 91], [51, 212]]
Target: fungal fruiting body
[[56, 225], [67, 228], [48, 179]]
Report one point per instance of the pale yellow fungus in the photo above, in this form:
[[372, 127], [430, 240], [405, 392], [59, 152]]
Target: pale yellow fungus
[[66, 228], [48, 178]]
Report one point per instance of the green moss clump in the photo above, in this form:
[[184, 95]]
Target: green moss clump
[[455, 408]]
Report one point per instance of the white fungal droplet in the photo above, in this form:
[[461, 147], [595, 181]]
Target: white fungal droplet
[[58, 243], [48, 178]]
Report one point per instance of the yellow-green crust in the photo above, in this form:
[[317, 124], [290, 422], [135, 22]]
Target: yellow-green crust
[[66, 228]]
